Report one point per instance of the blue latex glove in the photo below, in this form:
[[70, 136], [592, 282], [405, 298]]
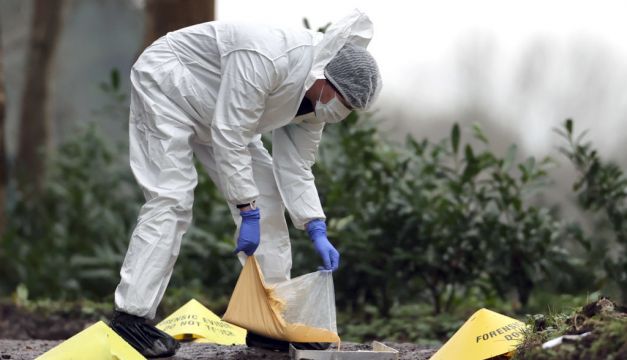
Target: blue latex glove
[[248, 238], [317, 231]]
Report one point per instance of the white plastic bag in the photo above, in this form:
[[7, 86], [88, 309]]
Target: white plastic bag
[[298, 310], [309, 300]]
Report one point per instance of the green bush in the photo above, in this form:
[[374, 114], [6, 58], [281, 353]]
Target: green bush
[[418, 222], [601, 188], [69, 241], [414, 323], [428, 221]]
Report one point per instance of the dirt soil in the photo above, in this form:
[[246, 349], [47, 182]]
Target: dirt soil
[[26, 335], [21, 324], [30, 349]]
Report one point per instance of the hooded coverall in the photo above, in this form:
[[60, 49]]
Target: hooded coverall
[[210, 91]]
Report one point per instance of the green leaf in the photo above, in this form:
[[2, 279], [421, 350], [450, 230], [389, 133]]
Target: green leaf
[[509, 158], [478, 133], [470, 155], [115, 79], [455, 135], [569, 126], [323, 29], [306, 23], [581, 136]]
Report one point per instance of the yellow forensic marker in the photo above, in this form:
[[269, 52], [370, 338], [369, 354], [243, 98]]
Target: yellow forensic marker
[[486, 334], [97, 342], [195, 321]]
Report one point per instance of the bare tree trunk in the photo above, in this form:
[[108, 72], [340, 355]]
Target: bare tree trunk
[[3, 160], [34, 122], [163, 16]]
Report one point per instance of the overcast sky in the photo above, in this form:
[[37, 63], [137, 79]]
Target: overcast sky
[[416, 42], [411, 34]]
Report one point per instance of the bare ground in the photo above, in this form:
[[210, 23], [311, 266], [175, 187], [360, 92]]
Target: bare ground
[[30, 349], [23, 334]]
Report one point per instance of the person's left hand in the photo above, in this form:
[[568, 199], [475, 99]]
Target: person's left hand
[[317, 231], [248, 239]]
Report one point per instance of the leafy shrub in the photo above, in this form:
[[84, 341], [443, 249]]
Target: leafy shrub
[[415, 222], [427, 221], [601, 187], [414, 323], [70, 239]]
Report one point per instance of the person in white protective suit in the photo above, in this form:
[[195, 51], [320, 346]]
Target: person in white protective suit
[[210, 91]]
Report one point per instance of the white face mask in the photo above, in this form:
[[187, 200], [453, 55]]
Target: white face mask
[[333, 111]]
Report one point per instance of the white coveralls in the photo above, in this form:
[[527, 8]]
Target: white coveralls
[[211, 90]]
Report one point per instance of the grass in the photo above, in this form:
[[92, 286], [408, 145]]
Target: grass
[[605, 322]]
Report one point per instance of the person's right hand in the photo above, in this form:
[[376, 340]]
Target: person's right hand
[[248, 239]]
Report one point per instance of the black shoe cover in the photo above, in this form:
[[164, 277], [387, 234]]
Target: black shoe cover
[[259, 341], [311, 345], [145, 338]]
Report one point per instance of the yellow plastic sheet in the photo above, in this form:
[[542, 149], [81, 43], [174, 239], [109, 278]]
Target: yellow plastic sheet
[[486, 334], [256, 307], [195, 321], [97, 342]]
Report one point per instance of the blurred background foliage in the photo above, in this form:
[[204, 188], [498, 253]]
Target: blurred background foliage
[[428, 231]]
